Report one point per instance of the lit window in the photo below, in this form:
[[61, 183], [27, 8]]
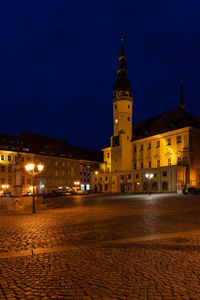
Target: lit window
[[2, 168], [178, 139], [179, 160], [168, 141], [3, 157]]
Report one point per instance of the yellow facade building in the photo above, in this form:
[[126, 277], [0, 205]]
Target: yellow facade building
[[62, 162], [167, 146]]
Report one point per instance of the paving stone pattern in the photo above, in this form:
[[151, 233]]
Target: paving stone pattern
[[103, 247]]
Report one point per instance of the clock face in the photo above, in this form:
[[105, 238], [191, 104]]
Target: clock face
[[116, 121]]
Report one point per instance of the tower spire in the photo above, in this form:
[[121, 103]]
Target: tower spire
[[122, 82], [182, 101]]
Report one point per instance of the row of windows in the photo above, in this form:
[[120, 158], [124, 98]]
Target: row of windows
[[84, 173], [129, 176], [85, 165], [3, 168], [85, 180], [13, 157], [179, 162], [178, 141]]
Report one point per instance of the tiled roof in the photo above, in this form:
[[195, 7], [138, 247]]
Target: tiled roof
[[171, 120], [44, 145]]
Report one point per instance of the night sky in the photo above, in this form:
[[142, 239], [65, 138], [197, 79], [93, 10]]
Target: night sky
[[58, 62]]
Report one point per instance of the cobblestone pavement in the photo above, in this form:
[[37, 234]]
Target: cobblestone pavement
[[103, 247]]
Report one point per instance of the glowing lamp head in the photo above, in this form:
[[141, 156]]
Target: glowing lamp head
[[30, 167], [96, 172], [149, 175], [40, 167]]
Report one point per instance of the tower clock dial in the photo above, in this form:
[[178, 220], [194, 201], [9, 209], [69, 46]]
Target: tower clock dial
[[116, 121]]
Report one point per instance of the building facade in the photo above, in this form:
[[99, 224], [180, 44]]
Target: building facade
[[62, 164], [167, 146]]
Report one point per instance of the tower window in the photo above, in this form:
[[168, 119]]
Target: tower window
[[158, 144], [169, 162], [178, 139], [135, 166], [158, 163], [168, 141], [141, 165], [149, 164], [141, 148], [128, 106], [128, 118], [115, 106], [135, 149], [149, 146]]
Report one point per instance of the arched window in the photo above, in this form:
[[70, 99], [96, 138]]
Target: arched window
[[165, 186], [100, 188], [145, 186], [154, 186]]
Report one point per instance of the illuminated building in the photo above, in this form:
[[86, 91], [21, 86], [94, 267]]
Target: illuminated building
[[167, 145], [62, 163]]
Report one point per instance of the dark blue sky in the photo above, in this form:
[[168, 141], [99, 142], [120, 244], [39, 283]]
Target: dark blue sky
[[58, 62]]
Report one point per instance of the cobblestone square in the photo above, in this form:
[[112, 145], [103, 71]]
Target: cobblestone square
[[103, 247]]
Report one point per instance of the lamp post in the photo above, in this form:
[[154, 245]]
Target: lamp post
[[34, 170], [149, 176]]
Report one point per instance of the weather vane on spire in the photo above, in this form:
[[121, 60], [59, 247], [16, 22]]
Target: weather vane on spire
[[122, 37]]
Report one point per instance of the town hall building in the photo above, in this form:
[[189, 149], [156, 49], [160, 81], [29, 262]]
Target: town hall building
[[166, 146]]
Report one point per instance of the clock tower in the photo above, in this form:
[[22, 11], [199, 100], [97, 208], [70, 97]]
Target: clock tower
[[121, 148]]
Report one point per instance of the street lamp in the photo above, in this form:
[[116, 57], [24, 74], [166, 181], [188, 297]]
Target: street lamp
[[149, 176], [34, 170]]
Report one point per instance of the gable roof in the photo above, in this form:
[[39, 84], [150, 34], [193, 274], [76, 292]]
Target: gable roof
[[168, 121]]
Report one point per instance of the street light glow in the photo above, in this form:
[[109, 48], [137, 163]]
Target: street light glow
[[5, 186], [149, 175], [30, 167], [40, 167]]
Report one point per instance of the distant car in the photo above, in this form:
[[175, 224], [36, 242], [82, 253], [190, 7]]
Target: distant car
[[193, 190]]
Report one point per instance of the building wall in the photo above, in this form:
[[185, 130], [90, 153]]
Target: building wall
[[58, 172], [166, 179], [173, 156]]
